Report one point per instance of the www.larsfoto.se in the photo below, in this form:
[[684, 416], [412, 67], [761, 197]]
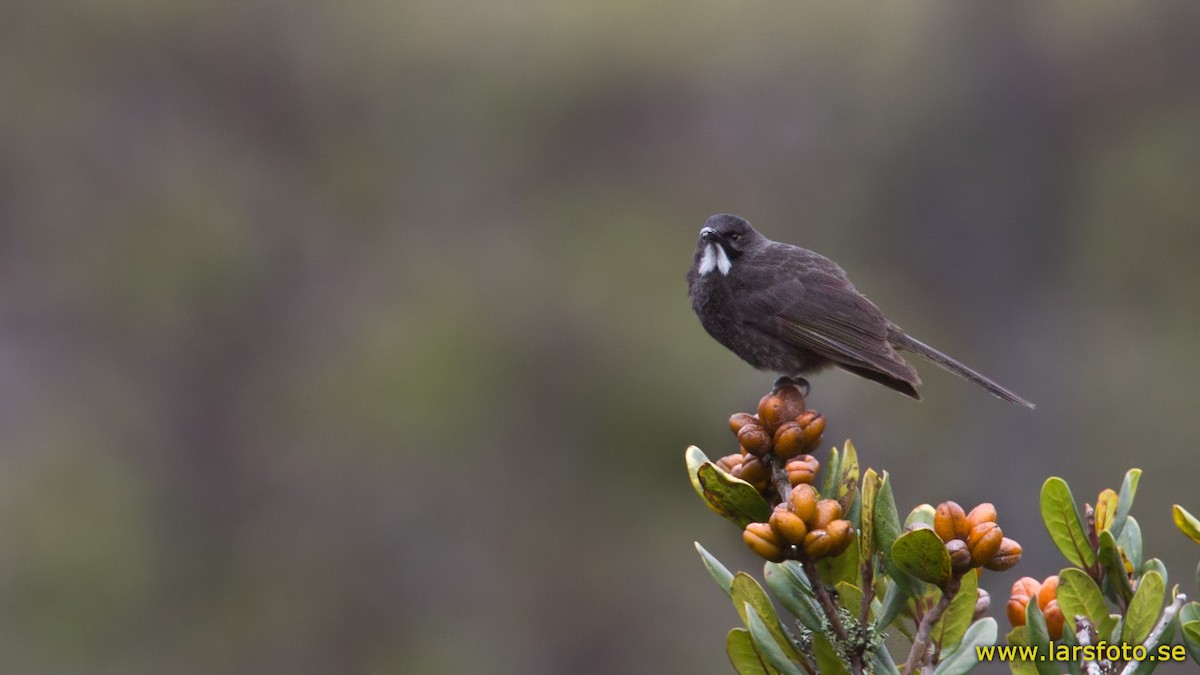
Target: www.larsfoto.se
[[1101, 651]]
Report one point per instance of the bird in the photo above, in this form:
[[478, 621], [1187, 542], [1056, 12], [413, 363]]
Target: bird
[[788, 310]]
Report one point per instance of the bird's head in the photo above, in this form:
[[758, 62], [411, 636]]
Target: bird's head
[[723, 239]]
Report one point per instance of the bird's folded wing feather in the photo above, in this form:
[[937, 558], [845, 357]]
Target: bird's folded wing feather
[[836, 321]]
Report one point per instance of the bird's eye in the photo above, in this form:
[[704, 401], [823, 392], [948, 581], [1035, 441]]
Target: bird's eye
[[735, 236]]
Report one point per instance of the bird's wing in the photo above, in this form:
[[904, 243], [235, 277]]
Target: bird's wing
[[827, 315]]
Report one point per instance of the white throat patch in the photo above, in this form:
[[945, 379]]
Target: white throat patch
[[715, 259]]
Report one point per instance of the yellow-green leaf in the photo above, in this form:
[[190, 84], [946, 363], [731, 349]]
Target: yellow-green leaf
[[746, 591], [1019, 637], [790, 586], [1144, 609], [886, 522], [1129, 488], [765, 644], [1189, 622], [828, 662], [743, 656], [922, 554], [866, 533], [1187, 523], [732, 497], [1106, 508], [957, 619], [832, 471], [1078, 595], [848, 478], [1063, 523]]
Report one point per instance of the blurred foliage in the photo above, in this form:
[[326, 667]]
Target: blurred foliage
[[287, 288]]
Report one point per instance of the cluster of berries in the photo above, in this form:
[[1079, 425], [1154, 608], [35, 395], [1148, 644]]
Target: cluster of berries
[[974, 539], [804, 524], [1046, 594], [782, 428]]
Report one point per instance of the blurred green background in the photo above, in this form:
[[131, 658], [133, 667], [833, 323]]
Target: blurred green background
[[353, 338]]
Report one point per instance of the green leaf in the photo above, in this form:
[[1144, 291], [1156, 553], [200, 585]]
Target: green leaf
[[954, 622], [745, 659], [1070, 640], [1186, 523], [1078, 595], [833, 471], [921, 516], [732, 497], [894, 600], [963, 659], [1114, 568], [922, 554], [747, 592], [1019, 637], [1191, 639], [847, 487], [719, 572], [1038, 636], [1144, 609], [1130, 541], [1156, 565], [1189, 621], [842, 568], [880, 661], [766, 644], [828, 662], [887, 524], [1129, 488], [1063, 523], [695, 458], [866, 520], [789, 585], [849, 596]]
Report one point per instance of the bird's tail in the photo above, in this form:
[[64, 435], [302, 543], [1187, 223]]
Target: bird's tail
[[902, 340]]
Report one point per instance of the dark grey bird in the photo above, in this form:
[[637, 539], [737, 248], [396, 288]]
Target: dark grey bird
[[788, 310]]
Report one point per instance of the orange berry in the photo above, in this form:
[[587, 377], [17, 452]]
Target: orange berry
[[828, 510], [762, 540], [1048, 592], [985, 512], [780, 406], [842, 533], [1022, 590], [960, 556], [753, 472], [802, 469], [949, 520], [984, 542], [813, 423], [739, 420], [754, 439], [789, 526], [818, 544], [1008, 556], [803, 502], [1054, 619], [789, 440]]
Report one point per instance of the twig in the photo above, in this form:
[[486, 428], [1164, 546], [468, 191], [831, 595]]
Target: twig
[[868, 581], [779, 477], [831, 613], [921, 644], [1156, 635]]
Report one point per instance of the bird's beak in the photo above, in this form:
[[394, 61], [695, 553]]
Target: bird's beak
[[709, 235]]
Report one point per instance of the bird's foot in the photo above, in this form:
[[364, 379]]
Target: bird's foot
[[785, 381]]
